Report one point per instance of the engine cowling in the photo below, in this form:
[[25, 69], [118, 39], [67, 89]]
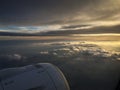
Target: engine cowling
[[41, 76]]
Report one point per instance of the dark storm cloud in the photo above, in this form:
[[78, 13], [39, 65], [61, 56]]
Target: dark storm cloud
[[27, 15], [25, 11], [94, 30], [74, 26], [37, 12]]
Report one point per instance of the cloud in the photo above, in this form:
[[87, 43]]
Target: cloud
[[97, 29], [83, 61], [12, 57], [15, 57], [79, 49], [46, 12], [76, 27], [85, 65], [29, 29], [44, 52]]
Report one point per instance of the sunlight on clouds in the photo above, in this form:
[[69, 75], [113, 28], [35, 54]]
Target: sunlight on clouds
[[104, 34], [110, 5], [105, 23], [94, 24], [94, 13], [100, 14], [103, 49], [31, 29], [111, 46]]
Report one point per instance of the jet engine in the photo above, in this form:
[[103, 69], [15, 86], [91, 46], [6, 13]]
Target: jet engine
[[41, 76]]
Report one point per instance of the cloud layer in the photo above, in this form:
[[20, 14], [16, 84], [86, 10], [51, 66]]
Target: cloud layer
[[43, 13], [85, 65]]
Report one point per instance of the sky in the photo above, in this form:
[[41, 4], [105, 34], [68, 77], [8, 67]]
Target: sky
[[56, 15]]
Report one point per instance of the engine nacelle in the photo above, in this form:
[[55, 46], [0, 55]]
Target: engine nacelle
[[41, 76]]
